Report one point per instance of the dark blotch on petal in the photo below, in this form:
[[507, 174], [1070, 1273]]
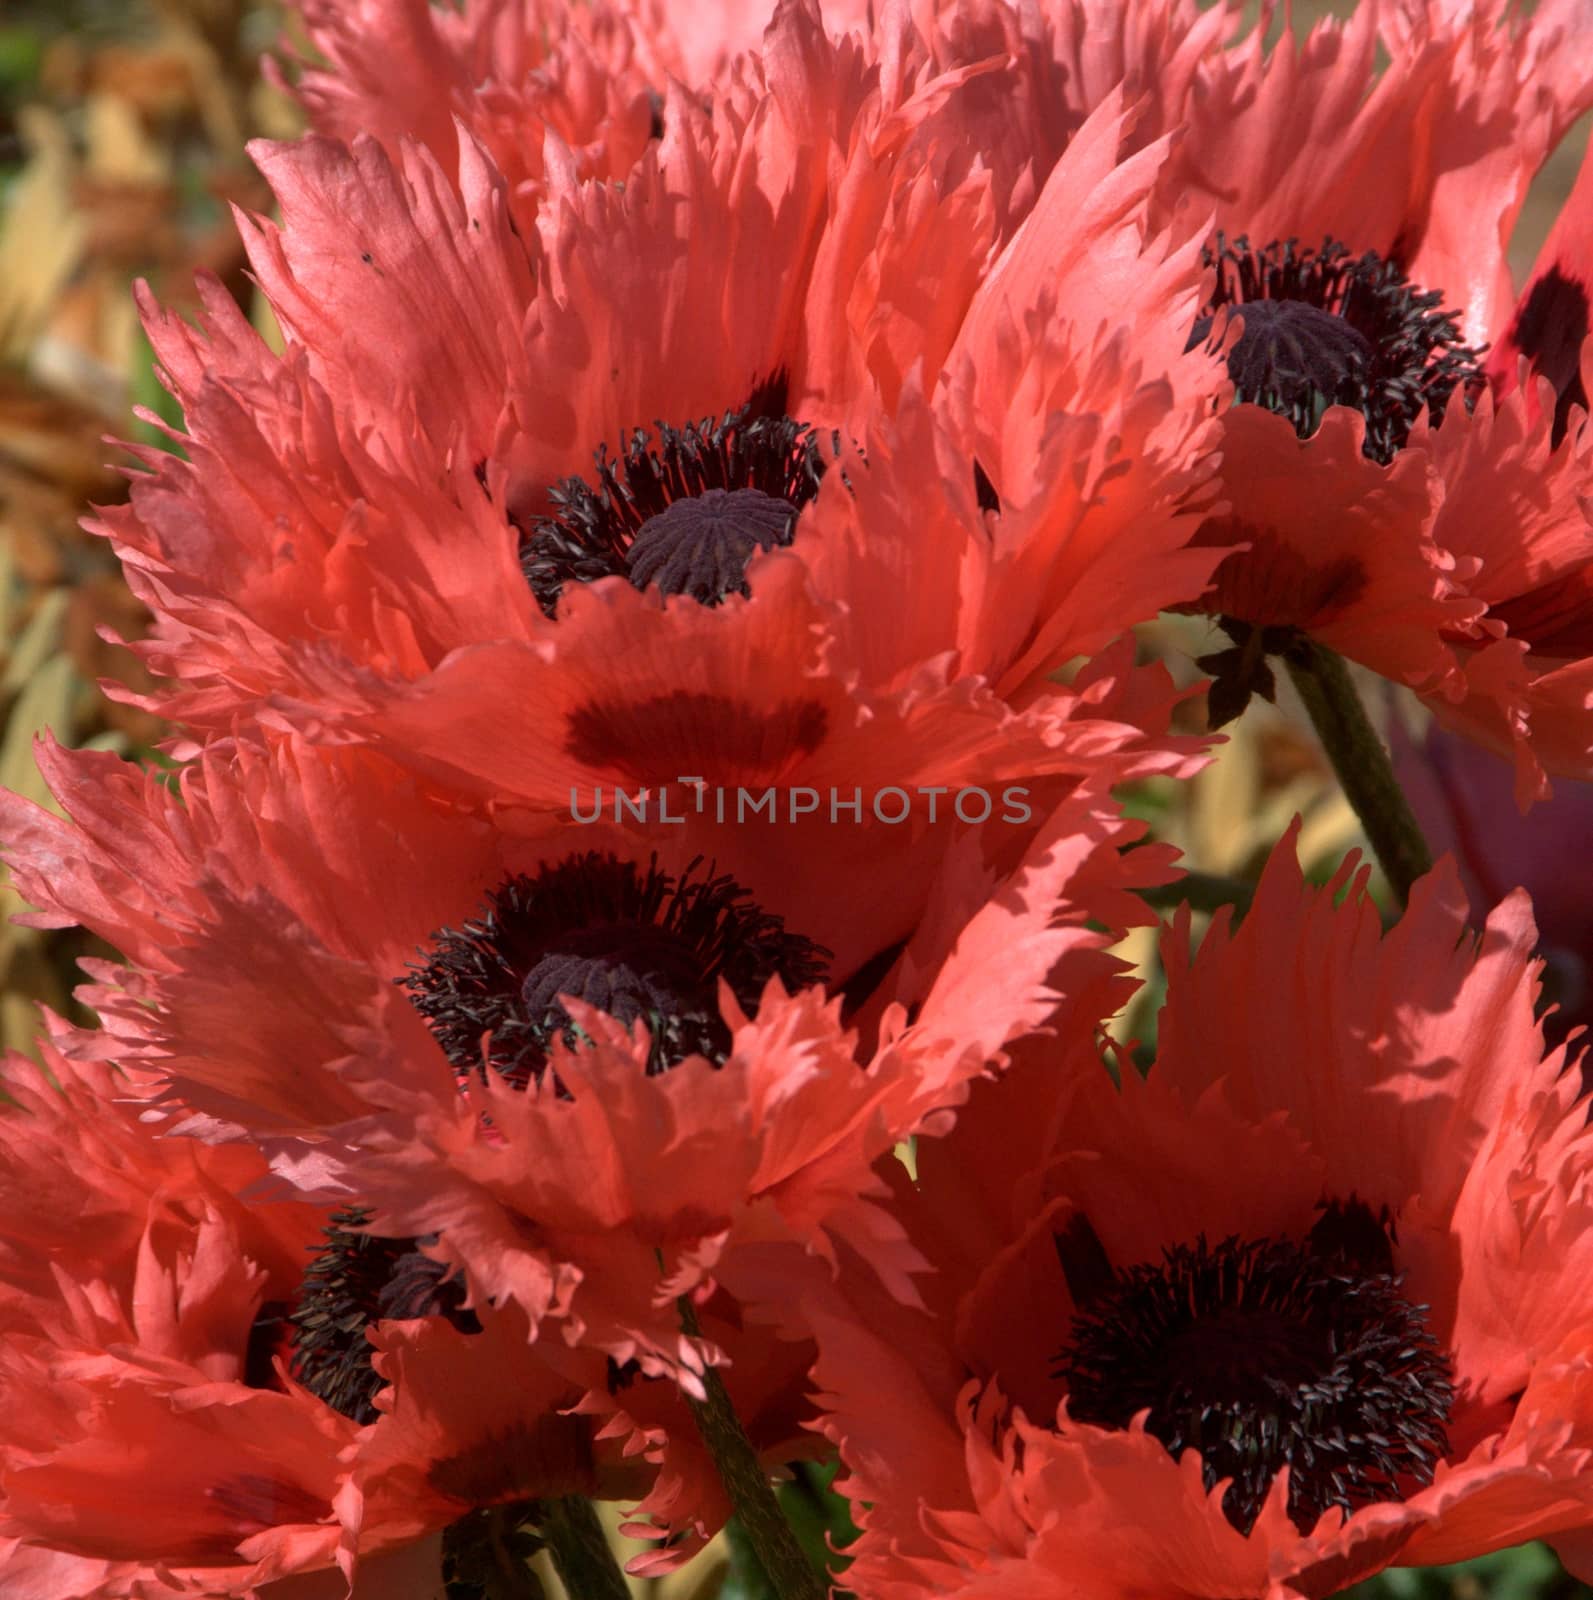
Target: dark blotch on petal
[[652, 742], [530, 1459], [253, 1503], [770, 396], [1272, 585], [1349, 1230], [1083, 1259], [1555, 619], [1549, 330], [984, 489], [862, 983], [268, 1337]]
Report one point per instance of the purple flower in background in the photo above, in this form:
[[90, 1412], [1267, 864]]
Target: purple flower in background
[[1463, 796]]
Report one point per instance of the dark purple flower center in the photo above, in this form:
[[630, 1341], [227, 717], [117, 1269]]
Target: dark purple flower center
[[355, 1281], [701, 546], [628, 970], [1298, 355], [684, 512], [1265, 1354], [635, 942], [1322, 327]]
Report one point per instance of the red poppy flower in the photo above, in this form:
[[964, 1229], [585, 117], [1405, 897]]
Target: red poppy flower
[[480, 1415], [512, 75], [1517, 478], [141, 1448], [405, 1004], [151, 1314], [1352, 295], [1309, 1299], [725, 598], [1316, 140]]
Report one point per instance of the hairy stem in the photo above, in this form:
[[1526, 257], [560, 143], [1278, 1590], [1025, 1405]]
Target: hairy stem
[[1361, 762], [580, 1549], [487, 1554], [791, 1575]]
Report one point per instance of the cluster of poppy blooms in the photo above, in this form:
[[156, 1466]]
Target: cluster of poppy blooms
[[786, 401]]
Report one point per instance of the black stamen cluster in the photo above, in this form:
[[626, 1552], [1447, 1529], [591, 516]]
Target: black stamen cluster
[[685, 513], [1264, 1354], [354, 1281], [633, 942], [1323, 327]]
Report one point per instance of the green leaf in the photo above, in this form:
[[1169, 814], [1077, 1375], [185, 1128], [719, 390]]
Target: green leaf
[[1529, 1572], [818, 1515], [745, 1579], [21, 56]]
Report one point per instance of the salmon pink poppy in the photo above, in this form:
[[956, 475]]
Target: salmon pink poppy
[[1480, 506], [153, 1314], [88, 1187], [1347, 260], [463, 1028], [1517, 479], [933, 670], [1312, 140], [476, 1416], [1307, 1300], [1307, 140], [130, 1344], [512, 73], [722, 593], [1329, 513], [152, 1440], [612, 310], [696, 45]]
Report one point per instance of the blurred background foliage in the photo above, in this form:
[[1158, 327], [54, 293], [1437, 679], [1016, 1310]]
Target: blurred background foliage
[[122, 133]]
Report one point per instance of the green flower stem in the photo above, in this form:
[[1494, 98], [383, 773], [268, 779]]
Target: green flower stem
[[1361, 762], [791, 1575], [580, 1549]]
